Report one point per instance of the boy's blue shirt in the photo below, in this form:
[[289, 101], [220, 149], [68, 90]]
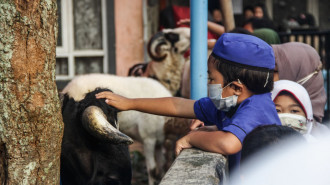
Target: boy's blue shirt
[[254, 111]]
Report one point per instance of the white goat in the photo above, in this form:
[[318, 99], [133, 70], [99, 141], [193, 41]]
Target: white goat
[[166, 49], [169, 66], [146, 128]]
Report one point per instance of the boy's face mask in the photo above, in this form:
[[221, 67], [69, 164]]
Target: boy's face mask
[[294, 121], [215, 94]]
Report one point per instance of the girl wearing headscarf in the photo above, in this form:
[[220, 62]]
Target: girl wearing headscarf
[[301, 63], [294, 108]]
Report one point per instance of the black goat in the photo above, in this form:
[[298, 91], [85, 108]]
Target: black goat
[[93, 150]]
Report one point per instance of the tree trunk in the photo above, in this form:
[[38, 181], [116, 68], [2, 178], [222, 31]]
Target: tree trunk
[[31, 126]]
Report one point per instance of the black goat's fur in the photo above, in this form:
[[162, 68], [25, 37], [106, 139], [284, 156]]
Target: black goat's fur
[[84, 158]]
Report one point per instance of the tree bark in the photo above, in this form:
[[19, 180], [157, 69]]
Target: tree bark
[[31, 125]]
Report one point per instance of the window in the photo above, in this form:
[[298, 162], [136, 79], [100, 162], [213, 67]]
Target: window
[[82, 39]]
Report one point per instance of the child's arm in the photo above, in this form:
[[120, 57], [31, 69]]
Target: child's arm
[[170, 106], [213, 27], [218, 142]]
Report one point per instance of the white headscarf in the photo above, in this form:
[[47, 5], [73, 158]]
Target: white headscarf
[[300, 94]]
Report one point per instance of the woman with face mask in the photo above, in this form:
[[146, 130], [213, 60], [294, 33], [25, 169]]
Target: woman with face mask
[[294, 109], [301, 63]]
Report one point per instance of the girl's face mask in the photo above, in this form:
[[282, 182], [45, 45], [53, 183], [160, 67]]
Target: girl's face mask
[[294, 121], [215, 94]]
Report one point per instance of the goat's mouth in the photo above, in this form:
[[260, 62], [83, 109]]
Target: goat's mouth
[[156, 47]]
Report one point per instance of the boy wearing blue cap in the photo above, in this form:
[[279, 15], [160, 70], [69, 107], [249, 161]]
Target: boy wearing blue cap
[[240, 71]]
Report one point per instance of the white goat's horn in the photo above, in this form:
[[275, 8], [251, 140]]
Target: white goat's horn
[[155, 47], [95, 122]]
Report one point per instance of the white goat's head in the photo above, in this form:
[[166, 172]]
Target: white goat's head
[[169, 42]]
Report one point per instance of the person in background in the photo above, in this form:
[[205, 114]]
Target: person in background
[[257, 23], [301, 63], [289, 162], [306, 20], [268, 35], [240, 30], [290, 23], [259, 20], [264, 137], [265, 141], [217, 16], [260, 11], [246, 15], [248, 12]]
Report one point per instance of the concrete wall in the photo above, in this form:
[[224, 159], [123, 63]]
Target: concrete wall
[[194, 166], [129, 34]]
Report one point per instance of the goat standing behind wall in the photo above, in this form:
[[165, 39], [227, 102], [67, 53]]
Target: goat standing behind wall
[[146, 128], [166, 48], [169, 66]]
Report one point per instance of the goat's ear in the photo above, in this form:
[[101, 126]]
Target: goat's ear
[[172, 37]]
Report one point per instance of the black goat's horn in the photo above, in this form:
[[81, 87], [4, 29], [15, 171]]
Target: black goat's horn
[[95, 122]]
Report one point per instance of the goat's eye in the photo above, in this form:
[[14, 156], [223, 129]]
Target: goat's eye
[[175, 49]]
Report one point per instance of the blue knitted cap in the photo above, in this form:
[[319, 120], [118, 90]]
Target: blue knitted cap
[[247, 50]]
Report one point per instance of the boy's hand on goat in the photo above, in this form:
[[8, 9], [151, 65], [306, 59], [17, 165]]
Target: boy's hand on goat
[[115, 100]]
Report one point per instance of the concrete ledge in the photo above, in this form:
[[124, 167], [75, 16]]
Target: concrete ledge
[[194, 166]]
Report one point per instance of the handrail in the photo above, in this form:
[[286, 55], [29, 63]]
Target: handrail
[[194, 166]]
